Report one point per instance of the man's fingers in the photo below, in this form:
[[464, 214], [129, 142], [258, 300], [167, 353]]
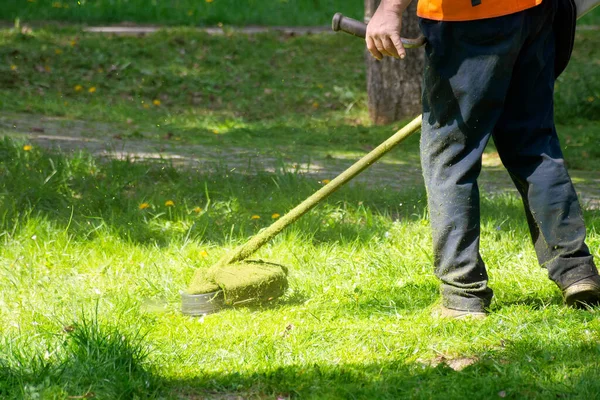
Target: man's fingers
[[373, 48], [389, 47], [398, 46], [379, 44]]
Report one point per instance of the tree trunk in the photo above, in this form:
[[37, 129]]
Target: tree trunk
[[394, 86]]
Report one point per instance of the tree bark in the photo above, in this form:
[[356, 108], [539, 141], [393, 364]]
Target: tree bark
[[394, 86]]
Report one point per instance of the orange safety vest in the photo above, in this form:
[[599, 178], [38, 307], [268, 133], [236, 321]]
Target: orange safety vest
[[468, 10]]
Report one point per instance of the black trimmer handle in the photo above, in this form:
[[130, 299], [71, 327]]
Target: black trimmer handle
[[357, 28]]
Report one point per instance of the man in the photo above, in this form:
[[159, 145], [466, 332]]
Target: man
[[489, 72]]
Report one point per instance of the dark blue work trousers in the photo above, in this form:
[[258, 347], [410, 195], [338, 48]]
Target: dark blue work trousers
[[495, 78]]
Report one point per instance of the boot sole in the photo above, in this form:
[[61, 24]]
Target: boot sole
[[582, 295]]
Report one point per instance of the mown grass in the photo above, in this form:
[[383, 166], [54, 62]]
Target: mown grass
[[190, 12], [84, 270], [90, 280]]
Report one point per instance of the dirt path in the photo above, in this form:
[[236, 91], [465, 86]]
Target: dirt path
[[103, 140]]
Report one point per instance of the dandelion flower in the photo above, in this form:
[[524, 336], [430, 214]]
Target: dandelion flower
[[275, 216], [27, 147], [315, 105], [170, 203], [325, 181], [143, 206], [255, 217], [204, 253], [73, 43], [216, 132], [13, 67], [92, 89], [156, 102], [197, 210], [78, 88]]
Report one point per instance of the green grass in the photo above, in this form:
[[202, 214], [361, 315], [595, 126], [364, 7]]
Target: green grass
[[183, 12], [299, 95], [89, 282], [89, 292], [192, 12]]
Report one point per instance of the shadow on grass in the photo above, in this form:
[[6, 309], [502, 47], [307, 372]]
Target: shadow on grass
[[156, 203], [525, 370], [97, 360], [88, 359]]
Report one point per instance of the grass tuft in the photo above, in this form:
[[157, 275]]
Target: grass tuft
[[88, 358]]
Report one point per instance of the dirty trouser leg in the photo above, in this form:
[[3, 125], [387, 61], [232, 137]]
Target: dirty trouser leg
[[467, 75], [526, 139]]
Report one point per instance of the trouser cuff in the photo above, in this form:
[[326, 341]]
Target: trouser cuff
[[464, 301]]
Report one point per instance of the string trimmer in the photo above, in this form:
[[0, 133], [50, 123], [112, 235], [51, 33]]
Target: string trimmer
[[234, 279]]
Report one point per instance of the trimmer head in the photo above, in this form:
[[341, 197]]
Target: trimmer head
[[247, 282]]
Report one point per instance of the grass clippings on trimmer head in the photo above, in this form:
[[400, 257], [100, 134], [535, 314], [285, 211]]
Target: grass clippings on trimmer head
[[250, 281]]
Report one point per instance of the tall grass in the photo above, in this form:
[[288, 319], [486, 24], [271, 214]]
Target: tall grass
[[86, 358]]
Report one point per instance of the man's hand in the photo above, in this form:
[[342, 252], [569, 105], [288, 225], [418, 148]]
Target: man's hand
[[383, 31]]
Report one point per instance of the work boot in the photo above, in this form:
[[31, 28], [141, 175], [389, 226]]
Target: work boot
[[450, 313], [585, 292]]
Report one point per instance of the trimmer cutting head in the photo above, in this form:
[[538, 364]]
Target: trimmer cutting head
[[247, 282]]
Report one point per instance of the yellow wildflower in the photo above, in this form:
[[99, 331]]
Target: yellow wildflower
[[13, 67], [156, 102], [170, 203], [58, 52], [216, 132], [143, 206], [27, 147], [78, 88], [197, 210], [325, 181], [209, 1], [73, 43], [47, 68], [315, 105], [92, 89], [591, 99], [255, 217], [204, 253], [275, 216]]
